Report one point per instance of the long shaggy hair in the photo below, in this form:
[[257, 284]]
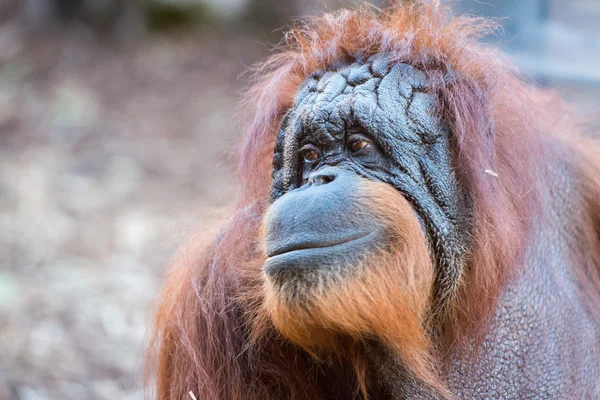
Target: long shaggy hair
[[212, 334]]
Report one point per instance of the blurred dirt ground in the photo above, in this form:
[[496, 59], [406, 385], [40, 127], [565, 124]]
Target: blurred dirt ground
[[109, 155]]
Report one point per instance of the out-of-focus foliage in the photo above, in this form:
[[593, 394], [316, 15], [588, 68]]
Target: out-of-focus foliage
[[110, 15]]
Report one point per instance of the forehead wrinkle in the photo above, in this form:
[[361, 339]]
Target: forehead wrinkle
[[325, 117], [332, 118], [290, 147], [393, 97], [390, 102]]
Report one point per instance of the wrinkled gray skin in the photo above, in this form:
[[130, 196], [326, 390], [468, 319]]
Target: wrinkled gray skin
[[543, 343], [390, 104]]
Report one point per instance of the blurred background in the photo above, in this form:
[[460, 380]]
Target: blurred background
[[116, 131]]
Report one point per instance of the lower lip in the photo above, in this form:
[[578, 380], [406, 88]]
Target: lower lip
[[313, 257]]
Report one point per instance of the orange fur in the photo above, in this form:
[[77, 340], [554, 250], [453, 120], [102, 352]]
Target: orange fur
[[475, 86], [215, 333], [386, 296]]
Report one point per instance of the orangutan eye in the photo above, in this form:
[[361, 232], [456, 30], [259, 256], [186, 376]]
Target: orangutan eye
[[310, 153], [357, 144]]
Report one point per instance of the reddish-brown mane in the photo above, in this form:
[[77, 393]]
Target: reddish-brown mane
[[492, 114], [498, 123]]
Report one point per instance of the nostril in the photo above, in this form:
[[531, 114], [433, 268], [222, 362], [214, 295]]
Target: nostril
[[324, 179], [321, 178], [327, 178]]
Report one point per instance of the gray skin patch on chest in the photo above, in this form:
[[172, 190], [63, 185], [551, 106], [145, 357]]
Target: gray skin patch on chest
[[543, 343], [390, 103]]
